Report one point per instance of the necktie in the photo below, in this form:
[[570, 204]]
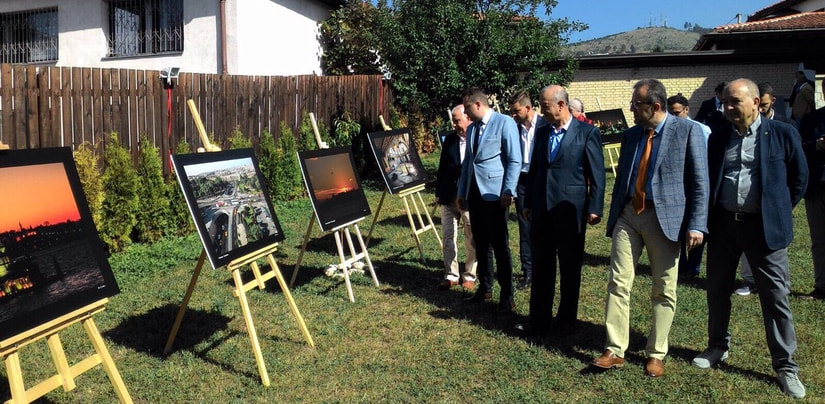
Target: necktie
[[641, 176], [477, 139], [555, 140]]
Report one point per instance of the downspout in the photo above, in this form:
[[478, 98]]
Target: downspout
[[223, 37]]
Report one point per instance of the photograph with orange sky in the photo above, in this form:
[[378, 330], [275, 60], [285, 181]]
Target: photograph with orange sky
[[51, 258], [38, 195], [333, 186]]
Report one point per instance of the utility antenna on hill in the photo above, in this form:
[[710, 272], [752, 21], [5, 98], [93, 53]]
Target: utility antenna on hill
[[664, 21], [650, 21]]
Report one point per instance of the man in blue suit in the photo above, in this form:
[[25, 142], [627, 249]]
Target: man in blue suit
[[486, 188], [757, 174], [564, 192], [659, 197]]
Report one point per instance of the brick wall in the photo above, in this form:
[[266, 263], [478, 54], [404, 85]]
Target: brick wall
[[609, 88]]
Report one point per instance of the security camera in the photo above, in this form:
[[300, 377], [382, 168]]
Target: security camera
[[169, 74]]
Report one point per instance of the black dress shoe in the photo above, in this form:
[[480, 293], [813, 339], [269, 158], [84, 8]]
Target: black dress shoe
[[524, 284], [564, 329], [505, 307], [479, 297]]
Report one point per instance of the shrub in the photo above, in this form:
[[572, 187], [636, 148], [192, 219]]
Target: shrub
[[267, 162], [85, 158], [288, 172], [120, 183], [306, 136], [153, 215], [237, 140], [179, 217], [345, 129]]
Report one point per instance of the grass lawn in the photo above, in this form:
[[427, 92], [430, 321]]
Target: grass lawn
[[406, 341]]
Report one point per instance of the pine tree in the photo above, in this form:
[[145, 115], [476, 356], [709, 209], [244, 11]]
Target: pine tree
[[180, 218], [153, 215], [120, 183], [88, 170]]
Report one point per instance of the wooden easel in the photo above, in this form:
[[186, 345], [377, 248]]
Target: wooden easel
[[341, 234], [240, 292], [66, 373], [240, 287], [412, 197], [418, 225]]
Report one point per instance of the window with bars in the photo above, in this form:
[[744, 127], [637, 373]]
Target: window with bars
[[141, 27], [28, 36]]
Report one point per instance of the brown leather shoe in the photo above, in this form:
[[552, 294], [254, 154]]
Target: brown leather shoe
[[654, 367], [446, 284], [468, 285], [608, 360]]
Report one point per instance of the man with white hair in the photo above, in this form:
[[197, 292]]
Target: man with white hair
[[577, 110]]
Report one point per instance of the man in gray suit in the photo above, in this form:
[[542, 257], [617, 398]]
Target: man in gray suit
[[757, 173], [486, 188], [660, 196]]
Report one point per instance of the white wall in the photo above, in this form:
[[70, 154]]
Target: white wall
[[275, 37], [264, 37]]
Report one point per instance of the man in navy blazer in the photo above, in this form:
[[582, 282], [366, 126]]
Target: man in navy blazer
[[486, 188], [564, 191], [757, 173], [653, 211], [812, 129]]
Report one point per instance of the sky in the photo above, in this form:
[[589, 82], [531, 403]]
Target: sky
[[608, 17], [35, 194]]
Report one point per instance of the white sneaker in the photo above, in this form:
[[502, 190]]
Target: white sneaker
[[790, 384], [709, 358], [745, 290]]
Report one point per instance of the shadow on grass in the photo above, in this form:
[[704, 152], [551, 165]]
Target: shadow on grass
[[147, 333]]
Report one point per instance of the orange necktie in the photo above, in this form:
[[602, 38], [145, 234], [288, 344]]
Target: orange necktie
[[641, 177]]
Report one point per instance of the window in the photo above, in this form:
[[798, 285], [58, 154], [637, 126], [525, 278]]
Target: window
[[140, 27], [28, 36]]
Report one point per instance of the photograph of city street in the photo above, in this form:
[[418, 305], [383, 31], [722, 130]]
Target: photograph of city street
[[48, 263], [398, 159], [232, 212], [334, 186]]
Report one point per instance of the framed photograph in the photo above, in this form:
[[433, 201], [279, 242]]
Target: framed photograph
[[611, 122], [52, 261], [333, 186], [230, 206], [396, 156]]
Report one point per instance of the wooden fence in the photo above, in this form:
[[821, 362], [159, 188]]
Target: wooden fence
[[66, 106]]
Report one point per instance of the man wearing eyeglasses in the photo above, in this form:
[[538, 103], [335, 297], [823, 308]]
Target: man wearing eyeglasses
[[659, 198]]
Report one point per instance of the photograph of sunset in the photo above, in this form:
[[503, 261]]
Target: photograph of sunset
[[51, 260], [334, 186]]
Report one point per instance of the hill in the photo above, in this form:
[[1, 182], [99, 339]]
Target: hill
[[641, 40]]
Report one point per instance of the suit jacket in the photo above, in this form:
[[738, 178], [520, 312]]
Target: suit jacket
[[575, 177], [811, 128], [709, 115], [449, 169], [783, 175], [496, 164], [803, 103], [679, 179]]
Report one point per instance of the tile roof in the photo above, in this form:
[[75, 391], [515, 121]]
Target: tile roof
[[807, 20]]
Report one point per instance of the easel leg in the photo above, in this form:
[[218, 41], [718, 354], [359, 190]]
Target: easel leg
[[430, 220], [303, 249], [290, 300], [413, 228], [366, 254], [60, 362], [340, 244], [15, 376], [106, 361], [375, 217], [250, 327], [185, 303]]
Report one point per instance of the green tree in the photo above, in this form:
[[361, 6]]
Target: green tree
[[153, 214], [120, 183], [349, 41], [267, 161], [433, 49], [288, 172], [85, 158], [180, 218], [237, 140]]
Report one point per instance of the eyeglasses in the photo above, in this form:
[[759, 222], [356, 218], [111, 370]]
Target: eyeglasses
[[635, 104]]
